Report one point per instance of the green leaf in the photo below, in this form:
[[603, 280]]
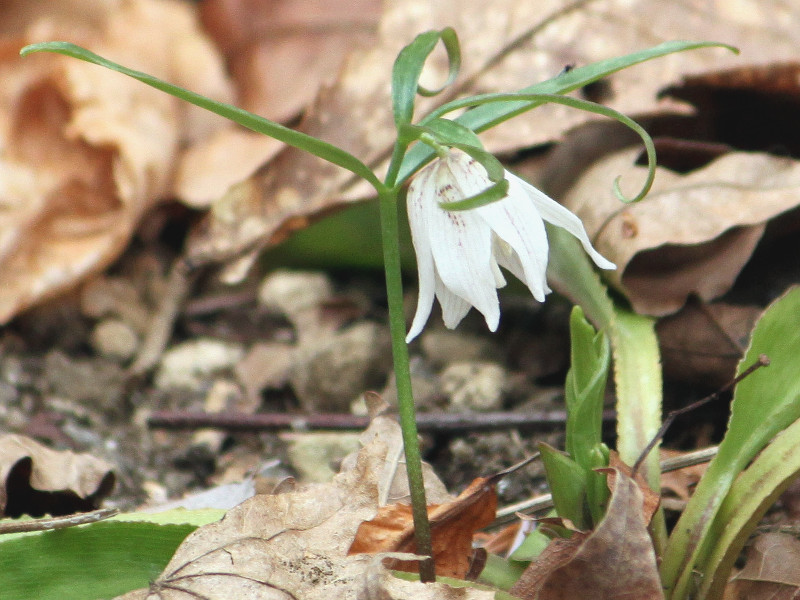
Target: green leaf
[[539, 99], [485, 117], [90, 562], [567, 482], [531, 547], [637, 375], [585, 388], [764, 404], [448, 133], [493, 193], [585, 392], [101, 560], [408, 68], [573, 274], [502, 572], [244, 118], [753, 493]]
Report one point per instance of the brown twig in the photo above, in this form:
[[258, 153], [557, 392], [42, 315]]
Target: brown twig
[[50, 523], [437, 422], [762, 361]]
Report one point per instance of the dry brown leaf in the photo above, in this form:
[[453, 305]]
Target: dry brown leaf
[[207, 169], [293, 545], [264, 42], [36, 480], [557, 554], [281, 53], [680, 482], [772, 571], [650, 498], [498, 55], [86, 152], [615, 561], [703, 343], [693, 233], [453, 526], [393, 481]]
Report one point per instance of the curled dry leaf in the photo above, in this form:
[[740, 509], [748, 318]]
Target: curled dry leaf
[[453, 525], [87, 151], [36, 480], [693, 233], [616, 560], [772, 571]]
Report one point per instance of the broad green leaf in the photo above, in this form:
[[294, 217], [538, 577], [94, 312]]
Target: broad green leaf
[[753, 493], [764, 404], [567, 482], [90, 562], [585, 388], [501, 572], [244, 118], [637, 375], [531, 547]]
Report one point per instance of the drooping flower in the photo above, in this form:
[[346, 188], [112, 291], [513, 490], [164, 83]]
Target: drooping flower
[[459, 253]]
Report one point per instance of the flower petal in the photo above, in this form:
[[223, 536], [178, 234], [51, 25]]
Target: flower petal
[[461, 242], [515, 221], [421, 192], [552, 212], [454, 309]]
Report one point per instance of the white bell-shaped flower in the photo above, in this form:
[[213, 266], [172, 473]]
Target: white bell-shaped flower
[[459, 252]]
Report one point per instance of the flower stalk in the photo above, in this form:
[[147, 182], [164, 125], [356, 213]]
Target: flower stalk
[[405, 398]]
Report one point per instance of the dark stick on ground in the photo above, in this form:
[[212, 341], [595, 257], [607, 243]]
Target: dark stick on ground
[[434, 422]]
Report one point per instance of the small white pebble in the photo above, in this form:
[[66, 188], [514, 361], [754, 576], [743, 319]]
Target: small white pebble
[[115, 339]]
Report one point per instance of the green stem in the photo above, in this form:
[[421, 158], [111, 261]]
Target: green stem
[[405, 398]]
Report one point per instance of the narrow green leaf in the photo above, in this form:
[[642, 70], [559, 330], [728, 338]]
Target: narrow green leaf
[[449, 132], [408, 67], [491, 194], [536, 100], [453, 49], [585, 392], [485, 117], [597, 492], [764, 404], [753, 493], [244, 118]]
